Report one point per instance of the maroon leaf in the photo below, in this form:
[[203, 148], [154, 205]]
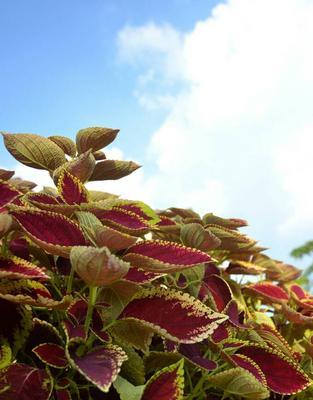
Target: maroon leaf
[[51, 354], [100, 366], [140, 276], [235, 318], [32, 293], [247, 363], [71, 189], [22, 382], [17, 268], [63, 394], [51, 231], [74, 333], [219, 290], [282, 374], [50, 203], [20, 248], [7, 193], [174, 315], [166, 384], [193, 353], [221, 333], [161, 256], [268, 292], [123, 220]]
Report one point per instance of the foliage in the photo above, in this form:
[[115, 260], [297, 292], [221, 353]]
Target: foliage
[[106, 298]]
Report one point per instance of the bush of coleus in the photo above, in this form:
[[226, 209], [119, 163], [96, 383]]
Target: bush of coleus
[[106, 298]]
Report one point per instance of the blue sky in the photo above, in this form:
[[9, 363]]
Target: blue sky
[[213, 98], [60, 70]]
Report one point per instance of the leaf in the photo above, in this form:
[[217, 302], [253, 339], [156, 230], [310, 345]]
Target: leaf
[[17, 324], [65, 143], [229, 223], [132, 333], [34, 150], [192, 353], [113, 169], [5, 354], [126, 390], [174, 315], [81, 167], [268, 291], [94, 138], [240, 360], [99, 366], [122, 220], [244, 268], [5, 223], [161, 256], [47, 202], [51, 231], [156, 360], [166, 384], [51, 354], [7, 193], [133, 369], [118, 295], [241, 383], [140, 276], [19, 381], [283, 375], [112, 238], [63, 394], [97, 267], [71, 189], [5, 175], [194, 235], [219, 290], [17, 268]]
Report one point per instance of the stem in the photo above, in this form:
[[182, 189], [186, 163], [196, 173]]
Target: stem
[[91, 303], [70, 281]]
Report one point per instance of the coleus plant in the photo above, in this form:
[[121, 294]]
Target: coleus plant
[[106, 298]]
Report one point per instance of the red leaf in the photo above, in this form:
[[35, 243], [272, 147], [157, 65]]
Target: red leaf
[[174, 315], [71, 189], [282, 374], [268, 292], [161, 256], [7, 193], [50, 203], [100, 366], [51, 354], [51, 231], [22, 382], [17, 268], [166, 384]]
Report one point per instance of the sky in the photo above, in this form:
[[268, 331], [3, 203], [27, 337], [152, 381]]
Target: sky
[[213, 98]]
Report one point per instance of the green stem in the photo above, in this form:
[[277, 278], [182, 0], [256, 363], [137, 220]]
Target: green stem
[[70, 281], [93, 290]]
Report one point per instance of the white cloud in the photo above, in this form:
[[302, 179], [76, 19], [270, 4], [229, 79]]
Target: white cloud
[[238, 134]]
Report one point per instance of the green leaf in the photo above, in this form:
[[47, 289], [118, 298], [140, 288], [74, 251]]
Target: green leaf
[[126, 390], [94, 138], [5, 354], [240, 382], [113, 169], [66, 144], [133, 369], [34, 151]]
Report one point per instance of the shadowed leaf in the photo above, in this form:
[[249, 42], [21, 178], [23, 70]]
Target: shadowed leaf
[[113, 169], [51, 354]]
